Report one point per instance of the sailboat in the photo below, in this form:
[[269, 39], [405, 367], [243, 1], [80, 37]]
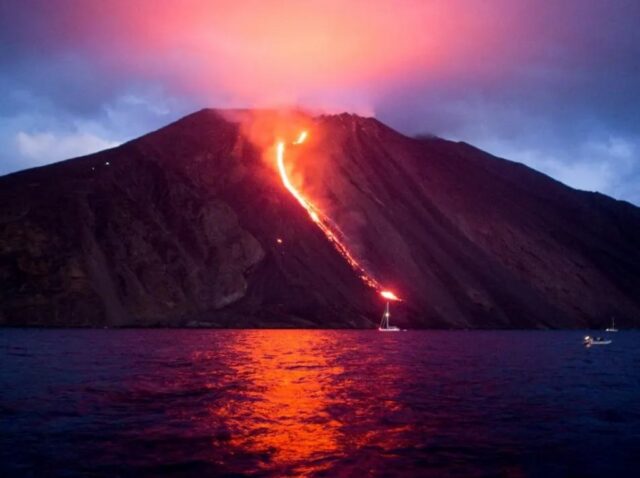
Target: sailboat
[[384, 323], [613, 326]]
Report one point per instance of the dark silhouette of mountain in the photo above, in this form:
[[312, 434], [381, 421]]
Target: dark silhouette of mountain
[[190, 226]]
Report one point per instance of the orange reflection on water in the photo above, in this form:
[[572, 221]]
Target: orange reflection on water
[[307, 402], [284, 412]]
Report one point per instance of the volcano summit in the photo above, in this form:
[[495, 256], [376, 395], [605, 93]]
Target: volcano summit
[[191, 226]]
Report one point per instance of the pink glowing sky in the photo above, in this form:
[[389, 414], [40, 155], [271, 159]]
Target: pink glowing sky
[[552, 84], [256, 53]]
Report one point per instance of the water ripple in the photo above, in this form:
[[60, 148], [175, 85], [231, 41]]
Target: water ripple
[[316, 403]]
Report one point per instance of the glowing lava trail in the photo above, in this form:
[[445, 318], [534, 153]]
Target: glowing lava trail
[[324, 223], [387, 294]]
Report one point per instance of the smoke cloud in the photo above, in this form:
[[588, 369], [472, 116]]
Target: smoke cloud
[[553, 85]]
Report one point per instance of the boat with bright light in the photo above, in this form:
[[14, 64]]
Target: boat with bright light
[[384, 323], [589, 341]]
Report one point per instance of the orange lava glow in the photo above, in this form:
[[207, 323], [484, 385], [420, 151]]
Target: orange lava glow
[[301, 139], [387, 294], [318, 217]]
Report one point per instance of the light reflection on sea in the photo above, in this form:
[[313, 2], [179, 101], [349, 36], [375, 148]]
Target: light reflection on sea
[[317, 403]]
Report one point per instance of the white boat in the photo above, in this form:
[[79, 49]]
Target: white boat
[[613, 326], [384, 323], [589, 341]]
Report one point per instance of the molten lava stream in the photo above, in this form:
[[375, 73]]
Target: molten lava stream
[[320, 219]]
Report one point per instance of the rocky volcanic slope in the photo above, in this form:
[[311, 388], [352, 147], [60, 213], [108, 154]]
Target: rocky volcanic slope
[[181, 228]]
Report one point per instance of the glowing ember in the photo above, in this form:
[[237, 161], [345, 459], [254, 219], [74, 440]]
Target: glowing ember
[[301, 138], [387, 294], [279, 241], [322, 221]]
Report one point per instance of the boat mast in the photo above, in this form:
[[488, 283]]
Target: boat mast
[[385, 317]]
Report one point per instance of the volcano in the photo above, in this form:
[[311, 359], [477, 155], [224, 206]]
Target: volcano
[[189, 226]]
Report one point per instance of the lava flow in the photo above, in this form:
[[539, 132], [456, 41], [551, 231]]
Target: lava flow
[[324, 223], [387, 294]]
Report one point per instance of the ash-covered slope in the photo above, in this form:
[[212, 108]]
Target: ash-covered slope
[[182, 227]]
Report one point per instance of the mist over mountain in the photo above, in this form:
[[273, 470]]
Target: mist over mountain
[[191, 226]]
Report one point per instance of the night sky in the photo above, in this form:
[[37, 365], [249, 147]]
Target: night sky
[[555, 85]]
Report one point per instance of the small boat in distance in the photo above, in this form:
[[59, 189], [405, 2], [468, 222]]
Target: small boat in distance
[[384, 323], [589, 341], [613, 326]]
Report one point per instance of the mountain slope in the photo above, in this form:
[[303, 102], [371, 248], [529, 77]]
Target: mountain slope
[[190, 225]]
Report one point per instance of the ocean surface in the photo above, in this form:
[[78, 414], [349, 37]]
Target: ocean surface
[[317, 403]]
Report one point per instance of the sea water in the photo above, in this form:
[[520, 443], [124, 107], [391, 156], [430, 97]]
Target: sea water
[[317, 403]]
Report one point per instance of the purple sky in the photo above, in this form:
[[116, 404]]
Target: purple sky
[[553, 84]]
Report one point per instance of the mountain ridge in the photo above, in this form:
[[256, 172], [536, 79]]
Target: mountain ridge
[[181, 228]]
